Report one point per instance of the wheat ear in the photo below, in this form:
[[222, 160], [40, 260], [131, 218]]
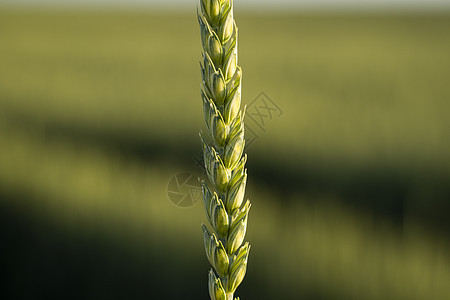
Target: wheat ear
[[224, 159]]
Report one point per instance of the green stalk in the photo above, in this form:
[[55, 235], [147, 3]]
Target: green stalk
[[223, 157]]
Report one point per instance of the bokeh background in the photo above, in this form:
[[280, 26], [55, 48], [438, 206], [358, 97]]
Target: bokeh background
[[349, 165]]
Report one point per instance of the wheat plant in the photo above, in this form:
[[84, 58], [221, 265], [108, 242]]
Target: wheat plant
[[223, 157]]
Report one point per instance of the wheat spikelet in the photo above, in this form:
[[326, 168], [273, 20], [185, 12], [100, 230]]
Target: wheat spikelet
[[224, 159]]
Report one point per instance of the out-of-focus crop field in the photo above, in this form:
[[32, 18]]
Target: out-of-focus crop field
[[349, 177]]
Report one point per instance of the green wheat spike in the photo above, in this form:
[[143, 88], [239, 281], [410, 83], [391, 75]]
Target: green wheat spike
[[224, 159]]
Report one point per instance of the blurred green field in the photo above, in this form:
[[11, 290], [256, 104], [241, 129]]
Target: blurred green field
[[350, 185]]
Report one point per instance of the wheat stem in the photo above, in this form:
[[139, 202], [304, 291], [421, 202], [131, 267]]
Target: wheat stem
[[223, 158]]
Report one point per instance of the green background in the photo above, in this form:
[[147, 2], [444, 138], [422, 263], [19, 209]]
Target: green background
[[349, 180]]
